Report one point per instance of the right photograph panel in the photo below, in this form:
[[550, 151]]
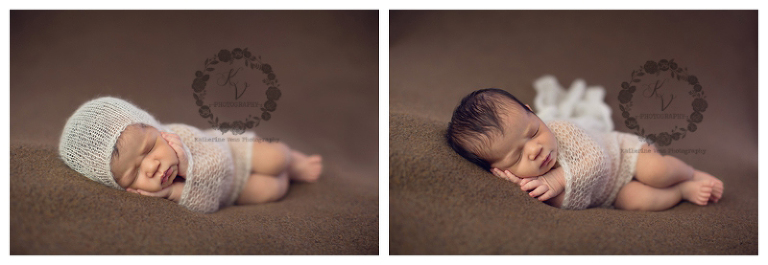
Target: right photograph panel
[[573, 132]]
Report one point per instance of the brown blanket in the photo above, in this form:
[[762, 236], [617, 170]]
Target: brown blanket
[[443, 204], [327, 64]]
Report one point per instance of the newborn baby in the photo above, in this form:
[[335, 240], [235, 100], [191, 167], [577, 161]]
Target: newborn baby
[[570, 168], [115, 143]]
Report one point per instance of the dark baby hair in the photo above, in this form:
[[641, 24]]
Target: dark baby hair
[[477, 115]]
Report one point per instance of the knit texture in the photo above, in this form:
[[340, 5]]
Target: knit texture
[[219, 165], [90, 135], [595, 166]]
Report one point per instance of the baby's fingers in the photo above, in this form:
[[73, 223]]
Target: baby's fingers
[[525, 181], [162, 193], [174, 141], [546, 196], [505, 175], [170, 137], [511, 176], [177, 146], [538, 191], [531, 185], [497, 172]]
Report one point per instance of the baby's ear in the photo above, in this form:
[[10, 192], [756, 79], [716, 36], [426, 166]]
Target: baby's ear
[[529, 107]]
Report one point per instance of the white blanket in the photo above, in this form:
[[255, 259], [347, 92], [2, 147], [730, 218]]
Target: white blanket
[[582, 105]]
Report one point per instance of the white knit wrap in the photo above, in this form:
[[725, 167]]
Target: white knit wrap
[[594, 165], [90, 135], [217, 170]]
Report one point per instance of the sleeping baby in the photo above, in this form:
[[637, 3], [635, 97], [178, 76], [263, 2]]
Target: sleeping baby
[[568, 167], [113, 142]]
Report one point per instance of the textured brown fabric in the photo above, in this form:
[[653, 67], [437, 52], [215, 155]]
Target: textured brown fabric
[[443, 204], [327, 64]]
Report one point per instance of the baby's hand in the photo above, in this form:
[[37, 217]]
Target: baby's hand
[[178, 147], [543, 187], [172, 192], [505, 175], [540, 188]]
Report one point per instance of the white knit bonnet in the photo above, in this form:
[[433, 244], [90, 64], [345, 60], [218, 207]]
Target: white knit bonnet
[[90, 135]]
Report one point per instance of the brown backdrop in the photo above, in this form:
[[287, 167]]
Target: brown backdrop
[[327, 64], [442, 204]]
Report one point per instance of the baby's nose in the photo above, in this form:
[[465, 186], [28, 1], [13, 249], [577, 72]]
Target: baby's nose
[[156, 169], [536, 153], [153, 173]]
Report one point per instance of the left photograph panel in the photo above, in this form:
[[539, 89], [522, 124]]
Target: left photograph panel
[[194, 132]]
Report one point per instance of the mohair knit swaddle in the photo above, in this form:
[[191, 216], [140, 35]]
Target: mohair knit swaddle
[[218, 167], [216, 172], [595, 166]]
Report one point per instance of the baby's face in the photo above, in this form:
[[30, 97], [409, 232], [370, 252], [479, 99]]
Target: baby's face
[[527, 148], [146, 161]]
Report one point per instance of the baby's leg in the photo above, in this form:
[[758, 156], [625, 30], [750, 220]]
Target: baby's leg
[[637, 196], [263, 188], [270, 158], [656, 170], [275, 158], [272, 166]]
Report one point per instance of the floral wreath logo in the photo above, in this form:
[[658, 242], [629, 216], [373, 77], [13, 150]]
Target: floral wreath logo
[[699, 102], [253, 63]]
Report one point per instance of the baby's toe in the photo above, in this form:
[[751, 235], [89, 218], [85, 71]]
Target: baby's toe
[[315, 159]]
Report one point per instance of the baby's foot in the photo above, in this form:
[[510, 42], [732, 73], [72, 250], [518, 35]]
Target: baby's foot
[[717, 189], [697, 191], [305, 168]]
